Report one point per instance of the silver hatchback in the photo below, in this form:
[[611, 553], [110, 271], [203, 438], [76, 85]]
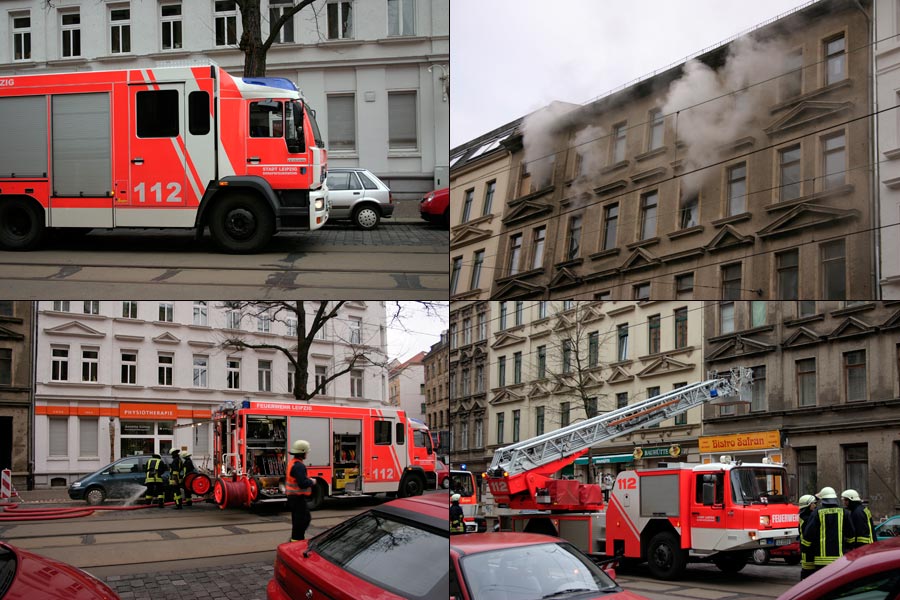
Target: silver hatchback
[[358, 195]]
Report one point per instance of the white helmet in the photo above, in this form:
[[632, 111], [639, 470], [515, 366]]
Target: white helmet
[[851, 495], [300, 447], [806, 500], [455, 498], [827, 492]]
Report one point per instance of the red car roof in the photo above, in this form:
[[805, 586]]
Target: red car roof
[[472, 543], [435, 506]]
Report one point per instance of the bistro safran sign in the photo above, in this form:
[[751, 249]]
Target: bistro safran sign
[[760, 440]]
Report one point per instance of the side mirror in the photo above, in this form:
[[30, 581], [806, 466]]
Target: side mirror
[[611, 572]]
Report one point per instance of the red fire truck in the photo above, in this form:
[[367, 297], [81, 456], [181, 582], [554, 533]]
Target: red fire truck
[[175, 147], [354, 451], [666, 516]]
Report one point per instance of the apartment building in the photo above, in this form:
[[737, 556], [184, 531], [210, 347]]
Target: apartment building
[[119, 378], [16, 384], [437, 403], [406, 385]]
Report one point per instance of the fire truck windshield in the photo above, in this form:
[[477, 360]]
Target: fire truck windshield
[[462, 483], [315, 126], [759, 485]]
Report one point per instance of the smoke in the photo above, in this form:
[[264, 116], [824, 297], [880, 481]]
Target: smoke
[[540, 135], [714, 108], [588, 143]]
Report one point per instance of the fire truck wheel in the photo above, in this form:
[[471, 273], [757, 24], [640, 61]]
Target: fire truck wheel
[[730, 562], [665, 557], [241, 223], [411, 486], [366, 217], [21, 224]]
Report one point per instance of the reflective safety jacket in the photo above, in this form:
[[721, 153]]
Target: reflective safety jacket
[[457, 525], [175, 477], [806, 562], [297, 483], [827, 535], [861, 518], [155, 469]]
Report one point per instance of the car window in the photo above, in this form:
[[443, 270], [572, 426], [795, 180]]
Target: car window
[[367, 183], [876, 587], [353, 184], [373, 545], [339, 181], [7, 569], [127, 465]]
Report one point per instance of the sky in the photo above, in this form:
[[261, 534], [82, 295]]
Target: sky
[[415, 330], [511, 57]]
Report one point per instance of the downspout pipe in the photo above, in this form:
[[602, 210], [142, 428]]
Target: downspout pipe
[[875, 195]]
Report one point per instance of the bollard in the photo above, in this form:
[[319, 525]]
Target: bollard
[[5, 486]]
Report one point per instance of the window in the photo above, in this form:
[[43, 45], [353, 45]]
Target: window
[[479, 379], [806, 308], [622, 331], [264, 375], [61, 305], [856, 460], [90, 364], [786, 264], [758, 313], [618, 142], [482, 326], [689, 212], [466, 383], [833, 161], [590, 408], [201, 314], [789, 163], [479, 434], [340, 22], [565, 410], [454, 273], [464, 435], [401, 17], [681, 328], [567, 356], [517, 367], [382, 433], [835, 60], [541, 362], [684, 285], [453, 336], [855, 375], [792, 80], [680, 419], [834, 283], [568, 304], [198, 113], [538, 245], [610, 222], [726, 317], [467, 332], [542, 309], [642, 291], [807, 469], [573, 242], [519, 311], [264, 323], [515, 251], [233, 319], [157, 114], [593, 349], [21, 30], [70, 25], [655, 125], [291, 377], [321, 376], [120, 29], [653, 334], [758, 389], [341, 122], [402, 121], [233, 374], [500, 427], [355, 330], [88, 437], [621, 400], [129, 309], [539, 420], [166, 310], [59, 364], [737, 189], [92, 307], [201, 365], [6, 308], [356, 383], [806, 382], [226, 23], [488, 197], [290, 326], [5, 366], [477, 262], [731, 282], [648, 215], [467, 205], [501, 371], [517, 421], [59, 436], [170, 22], [129, 367], [164, 367]]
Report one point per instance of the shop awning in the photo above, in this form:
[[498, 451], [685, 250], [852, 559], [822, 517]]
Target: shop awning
[[605, 460]]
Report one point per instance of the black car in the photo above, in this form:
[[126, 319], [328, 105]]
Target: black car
[[119, 480]]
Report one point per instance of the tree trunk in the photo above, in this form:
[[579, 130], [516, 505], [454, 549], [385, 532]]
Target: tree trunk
[[251, 42]]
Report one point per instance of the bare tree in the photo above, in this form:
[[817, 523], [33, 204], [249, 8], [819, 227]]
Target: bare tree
[[359, 353], [252, 44]]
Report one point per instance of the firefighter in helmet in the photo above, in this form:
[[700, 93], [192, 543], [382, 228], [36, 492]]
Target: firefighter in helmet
[[861, 518], [828, 533], [298, 486], [457, 525], [807, 505], [154, 481], [187, 467], [176, 477]]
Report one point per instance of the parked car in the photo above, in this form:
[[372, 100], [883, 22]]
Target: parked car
[[121, 479], [28, 576], [358, 195], [888, 528], [868, 573], [790, 553], [526, 566], [392, 551], [435, 207], [443, 474]]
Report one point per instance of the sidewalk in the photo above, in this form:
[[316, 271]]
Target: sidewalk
[[45, 496]]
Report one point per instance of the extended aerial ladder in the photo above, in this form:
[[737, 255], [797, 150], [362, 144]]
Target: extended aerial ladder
[[520, 474]]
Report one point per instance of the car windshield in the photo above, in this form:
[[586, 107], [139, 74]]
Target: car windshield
[[758, 485], [532, 572], [461, 483], [401, 557], [7, 569]]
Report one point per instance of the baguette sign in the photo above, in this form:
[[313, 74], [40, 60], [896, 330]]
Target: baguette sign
[[761, 440]]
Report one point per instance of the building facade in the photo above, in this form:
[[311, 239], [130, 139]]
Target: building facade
[[657, 192], [16, 386], [377, 72], [826, 393], [121, 378], [406, 385], [437, 386]]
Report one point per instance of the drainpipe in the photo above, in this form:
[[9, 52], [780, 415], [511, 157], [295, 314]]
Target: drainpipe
[[875, 195], [29, 481]]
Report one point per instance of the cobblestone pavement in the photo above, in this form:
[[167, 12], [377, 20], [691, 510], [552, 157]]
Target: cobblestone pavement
[[388, 233], [245, 581]]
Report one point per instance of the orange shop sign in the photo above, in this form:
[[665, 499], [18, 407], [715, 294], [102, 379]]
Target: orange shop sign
[[148, 411], [760, 440]]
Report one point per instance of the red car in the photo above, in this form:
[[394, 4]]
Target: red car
[[872, 571], [526, 566], [28, 576], [442, 471], [435, 207], [390, 552]]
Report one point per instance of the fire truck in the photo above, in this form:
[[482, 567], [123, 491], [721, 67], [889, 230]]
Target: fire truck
[[173, 147], [354, 451], [668, 515], [463, 483]]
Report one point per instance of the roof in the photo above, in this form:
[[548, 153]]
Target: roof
[[415, 360], [485, 542], [430, 509]]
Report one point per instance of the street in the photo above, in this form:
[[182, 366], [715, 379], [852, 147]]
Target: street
[[754, 582], [399, 260]]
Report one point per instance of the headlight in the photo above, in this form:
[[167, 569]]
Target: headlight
[[320, 204], [77, 484]]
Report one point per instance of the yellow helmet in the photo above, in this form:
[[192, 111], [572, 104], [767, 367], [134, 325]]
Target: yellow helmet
[[300, 447]]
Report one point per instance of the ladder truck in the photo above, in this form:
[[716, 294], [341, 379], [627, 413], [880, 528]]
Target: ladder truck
[[667, 516]]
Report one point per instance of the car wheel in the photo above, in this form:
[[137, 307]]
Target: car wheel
[[665, 556], [446, 483], [793, 559], [366, 217], [760, 556], [95, 496], [21, 224], [241, 223]]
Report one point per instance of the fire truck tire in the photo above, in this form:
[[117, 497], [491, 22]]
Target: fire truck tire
[[241, 222], [366, 217], [730, 562], [665, 557], [21, 224], [411, 485], [199, 484]]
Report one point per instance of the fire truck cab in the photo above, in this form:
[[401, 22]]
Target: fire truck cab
[[174, 147]]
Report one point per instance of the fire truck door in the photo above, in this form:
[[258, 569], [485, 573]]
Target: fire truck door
[[267, 149], [708, 511], [156, 154], [382, 470]]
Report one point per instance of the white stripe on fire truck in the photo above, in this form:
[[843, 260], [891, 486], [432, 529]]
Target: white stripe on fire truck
[[625, 517]]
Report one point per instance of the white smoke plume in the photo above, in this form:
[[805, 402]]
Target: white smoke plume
[[540, 139]]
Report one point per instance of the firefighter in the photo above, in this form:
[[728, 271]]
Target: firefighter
[[187, 467], [175, 477], [457, 525], [828, 532], [861, 518], [807, 506], [298, 487], [154, 482]]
